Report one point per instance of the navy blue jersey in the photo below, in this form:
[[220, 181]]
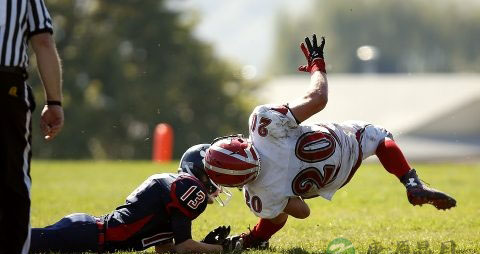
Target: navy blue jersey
[[146, 217]]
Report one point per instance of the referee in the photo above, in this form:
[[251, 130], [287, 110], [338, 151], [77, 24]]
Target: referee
[[23, 21]]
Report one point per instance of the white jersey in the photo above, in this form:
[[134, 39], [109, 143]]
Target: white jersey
[[297, 160]]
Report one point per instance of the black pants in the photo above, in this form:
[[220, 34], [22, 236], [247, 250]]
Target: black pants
[[16, 106]]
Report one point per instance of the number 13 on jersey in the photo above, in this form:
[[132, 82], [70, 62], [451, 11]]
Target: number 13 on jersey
[[196, 200]]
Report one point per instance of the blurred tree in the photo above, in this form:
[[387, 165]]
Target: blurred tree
[[411, 35], [129, 65]]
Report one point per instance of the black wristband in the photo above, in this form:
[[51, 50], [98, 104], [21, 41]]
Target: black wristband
[[54, 103]]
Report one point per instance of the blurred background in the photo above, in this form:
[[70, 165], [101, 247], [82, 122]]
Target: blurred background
[[202, 65]]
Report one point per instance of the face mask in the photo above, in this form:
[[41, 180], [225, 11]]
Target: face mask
[[222, 195]]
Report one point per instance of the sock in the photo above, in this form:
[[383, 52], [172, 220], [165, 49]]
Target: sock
[[392, 158], [265, 229]]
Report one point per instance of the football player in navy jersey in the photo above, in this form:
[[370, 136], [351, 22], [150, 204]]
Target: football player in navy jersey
[[158, 213]]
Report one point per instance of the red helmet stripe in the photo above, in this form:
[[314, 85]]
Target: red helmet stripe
[[229, 171], [248, 159]]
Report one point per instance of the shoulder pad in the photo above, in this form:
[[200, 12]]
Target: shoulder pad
[[271, 121], [188, 195]]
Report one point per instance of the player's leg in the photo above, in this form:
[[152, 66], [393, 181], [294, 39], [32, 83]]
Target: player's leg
[[258, 237], [265, 228], [377, 140], [418, 193], [392, 157], [74, 233]]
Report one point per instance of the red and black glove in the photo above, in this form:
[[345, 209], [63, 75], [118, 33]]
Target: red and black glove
[[314, 55]]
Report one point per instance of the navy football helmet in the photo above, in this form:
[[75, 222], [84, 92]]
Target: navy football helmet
[[193, 163]]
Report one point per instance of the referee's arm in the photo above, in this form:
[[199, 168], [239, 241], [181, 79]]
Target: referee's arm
[[48, 63]]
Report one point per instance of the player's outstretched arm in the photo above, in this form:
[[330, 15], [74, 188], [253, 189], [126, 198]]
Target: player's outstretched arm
[[164, 248], [214, 242], [316, 97], [192, 246]]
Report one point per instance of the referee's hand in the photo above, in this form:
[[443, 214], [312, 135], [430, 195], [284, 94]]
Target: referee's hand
[[51, 121]]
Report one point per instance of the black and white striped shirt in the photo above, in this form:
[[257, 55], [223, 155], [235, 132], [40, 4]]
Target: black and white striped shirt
[[19, 20]]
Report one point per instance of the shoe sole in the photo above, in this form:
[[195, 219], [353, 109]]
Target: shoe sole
[[255, 245], [441, 201], [258, 246]]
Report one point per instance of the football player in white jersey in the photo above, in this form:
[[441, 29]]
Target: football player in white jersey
[[283, 161]]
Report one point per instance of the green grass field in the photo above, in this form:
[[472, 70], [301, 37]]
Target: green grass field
[[372, 207]]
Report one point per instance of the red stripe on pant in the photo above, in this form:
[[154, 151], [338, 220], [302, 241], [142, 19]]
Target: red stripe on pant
[[101, 235]]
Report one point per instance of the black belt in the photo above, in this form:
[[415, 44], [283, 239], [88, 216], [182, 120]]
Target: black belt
[[22, 72]]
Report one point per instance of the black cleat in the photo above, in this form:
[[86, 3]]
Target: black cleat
[[251, 242], [418, 193]]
